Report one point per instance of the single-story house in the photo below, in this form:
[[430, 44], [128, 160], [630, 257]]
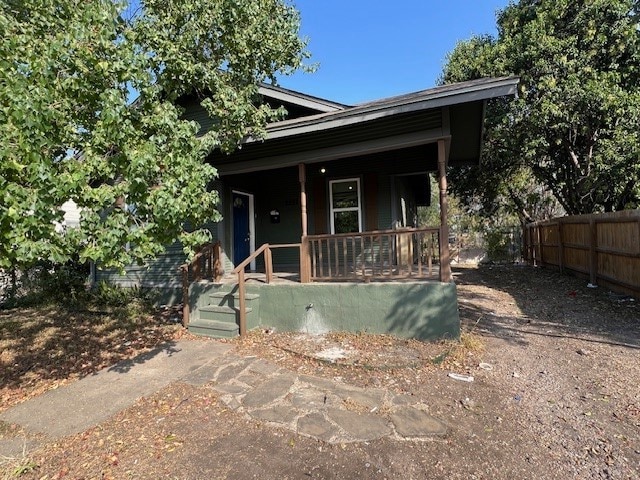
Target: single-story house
[[330, 198]]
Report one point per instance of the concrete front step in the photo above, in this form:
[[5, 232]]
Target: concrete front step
[[231, 299], [235, 295], [214, 328], [221, 313], [217, 312]]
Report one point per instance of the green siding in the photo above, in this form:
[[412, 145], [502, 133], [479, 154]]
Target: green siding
[[273, 190], [384, 202], [374, 130], [195, 112], [161, 271]]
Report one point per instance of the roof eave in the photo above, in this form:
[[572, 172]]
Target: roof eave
[[422, 101], [300, 99]]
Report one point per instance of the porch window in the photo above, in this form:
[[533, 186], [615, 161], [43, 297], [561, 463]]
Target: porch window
[[346, 211]]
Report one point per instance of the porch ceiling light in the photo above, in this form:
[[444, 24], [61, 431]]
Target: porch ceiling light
[[323, 170]]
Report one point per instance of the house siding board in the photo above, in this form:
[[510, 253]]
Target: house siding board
[[195, 112], [273, 190], [419, 159], [384, 202], [385, 127], [160, 271], [318, 206], [405, 192]]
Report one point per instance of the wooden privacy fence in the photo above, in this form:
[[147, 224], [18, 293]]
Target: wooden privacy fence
[[606, 247]]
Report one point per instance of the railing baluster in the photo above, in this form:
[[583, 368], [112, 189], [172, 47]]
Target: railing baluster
[[430, 255], [320, 250], [314, 263], [353, 271], [345, 255], [380, 253], [419, 242], [337, 255], [372, 256], [329, 257], [362, 256], [390, 255]]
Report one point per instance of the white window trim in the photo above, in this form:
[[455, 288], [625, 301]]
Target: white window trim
[[349, 209]]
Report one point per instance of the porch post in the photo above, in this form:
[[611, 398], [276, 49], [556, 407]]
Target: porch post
[[305, 266], [303, 197], [445, 261]]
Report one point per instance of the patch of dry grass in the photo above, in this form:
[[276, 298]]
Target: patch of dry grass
[[44, 348]]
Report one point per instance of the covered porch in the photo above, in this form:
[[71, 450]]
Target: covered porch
[[332, 198]]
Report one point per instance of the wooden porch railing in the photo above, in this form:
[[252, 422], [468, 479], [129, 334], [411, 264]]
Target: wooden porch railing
[[379, 254], [205, 264], [268, 267]]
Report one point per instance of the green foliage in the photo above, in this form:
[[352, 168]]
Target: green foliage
[[110, 295], [137, 171], [502, 244], [571, 136], [45, 283], [65, 286]]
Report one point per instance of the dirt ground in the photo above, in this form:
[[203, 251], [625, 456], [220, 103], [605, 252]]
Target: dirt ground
[[556, 394]]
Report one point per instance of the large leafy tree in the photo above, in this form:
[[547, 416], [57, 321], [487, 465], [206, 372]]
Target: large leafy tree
[[68, 128], [573, 132]]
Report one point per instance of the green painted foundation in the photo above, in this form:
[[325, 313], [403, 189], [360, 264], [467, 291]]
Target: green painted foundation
[[426, 311]]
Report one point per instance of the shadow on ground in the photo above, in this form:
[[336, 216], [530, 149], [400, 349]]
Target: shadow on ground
[[545, 303], [42, 347]]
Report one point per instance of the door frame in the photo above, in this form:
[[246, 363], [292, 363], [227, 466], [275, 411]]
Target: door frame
[[252, 225]]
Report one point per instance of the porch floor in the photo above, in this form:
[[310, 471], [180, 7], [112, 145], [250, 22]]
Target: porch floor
[[293, 277]]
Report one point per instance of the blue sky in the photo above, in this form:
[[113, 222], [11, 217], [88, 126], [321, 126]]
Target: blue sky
[[375, 49]]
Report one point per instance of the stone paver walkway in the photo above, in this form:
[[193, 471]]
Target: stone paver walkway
[[315, 407], [324, 409]]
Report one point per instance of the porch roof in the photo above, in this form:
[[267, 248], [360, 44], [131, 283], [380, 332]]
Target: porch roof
[[453, 112]]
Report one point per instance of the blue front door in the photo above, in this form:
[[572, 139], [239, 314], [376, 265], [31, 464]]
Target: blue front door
[[241, 231]]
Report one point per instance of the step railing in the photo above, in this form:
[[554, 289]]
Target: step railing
[[240, 271], [205, 264]]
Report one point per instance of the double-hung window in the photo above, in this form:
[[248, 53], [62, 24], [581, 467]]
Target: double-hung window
[[346, 203]]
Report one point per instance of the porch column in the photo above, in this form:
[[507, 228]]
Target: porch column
[[305, 266], [445, 261], [302, 176]]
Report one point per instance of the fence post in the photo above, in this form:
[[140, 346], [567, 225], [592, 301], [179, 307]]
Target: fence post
[[540, 246], [593, 253], [560, 247]]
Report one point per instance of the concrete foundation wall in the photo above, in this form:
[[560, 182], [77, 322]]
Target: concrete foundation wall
[[426, 311]]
